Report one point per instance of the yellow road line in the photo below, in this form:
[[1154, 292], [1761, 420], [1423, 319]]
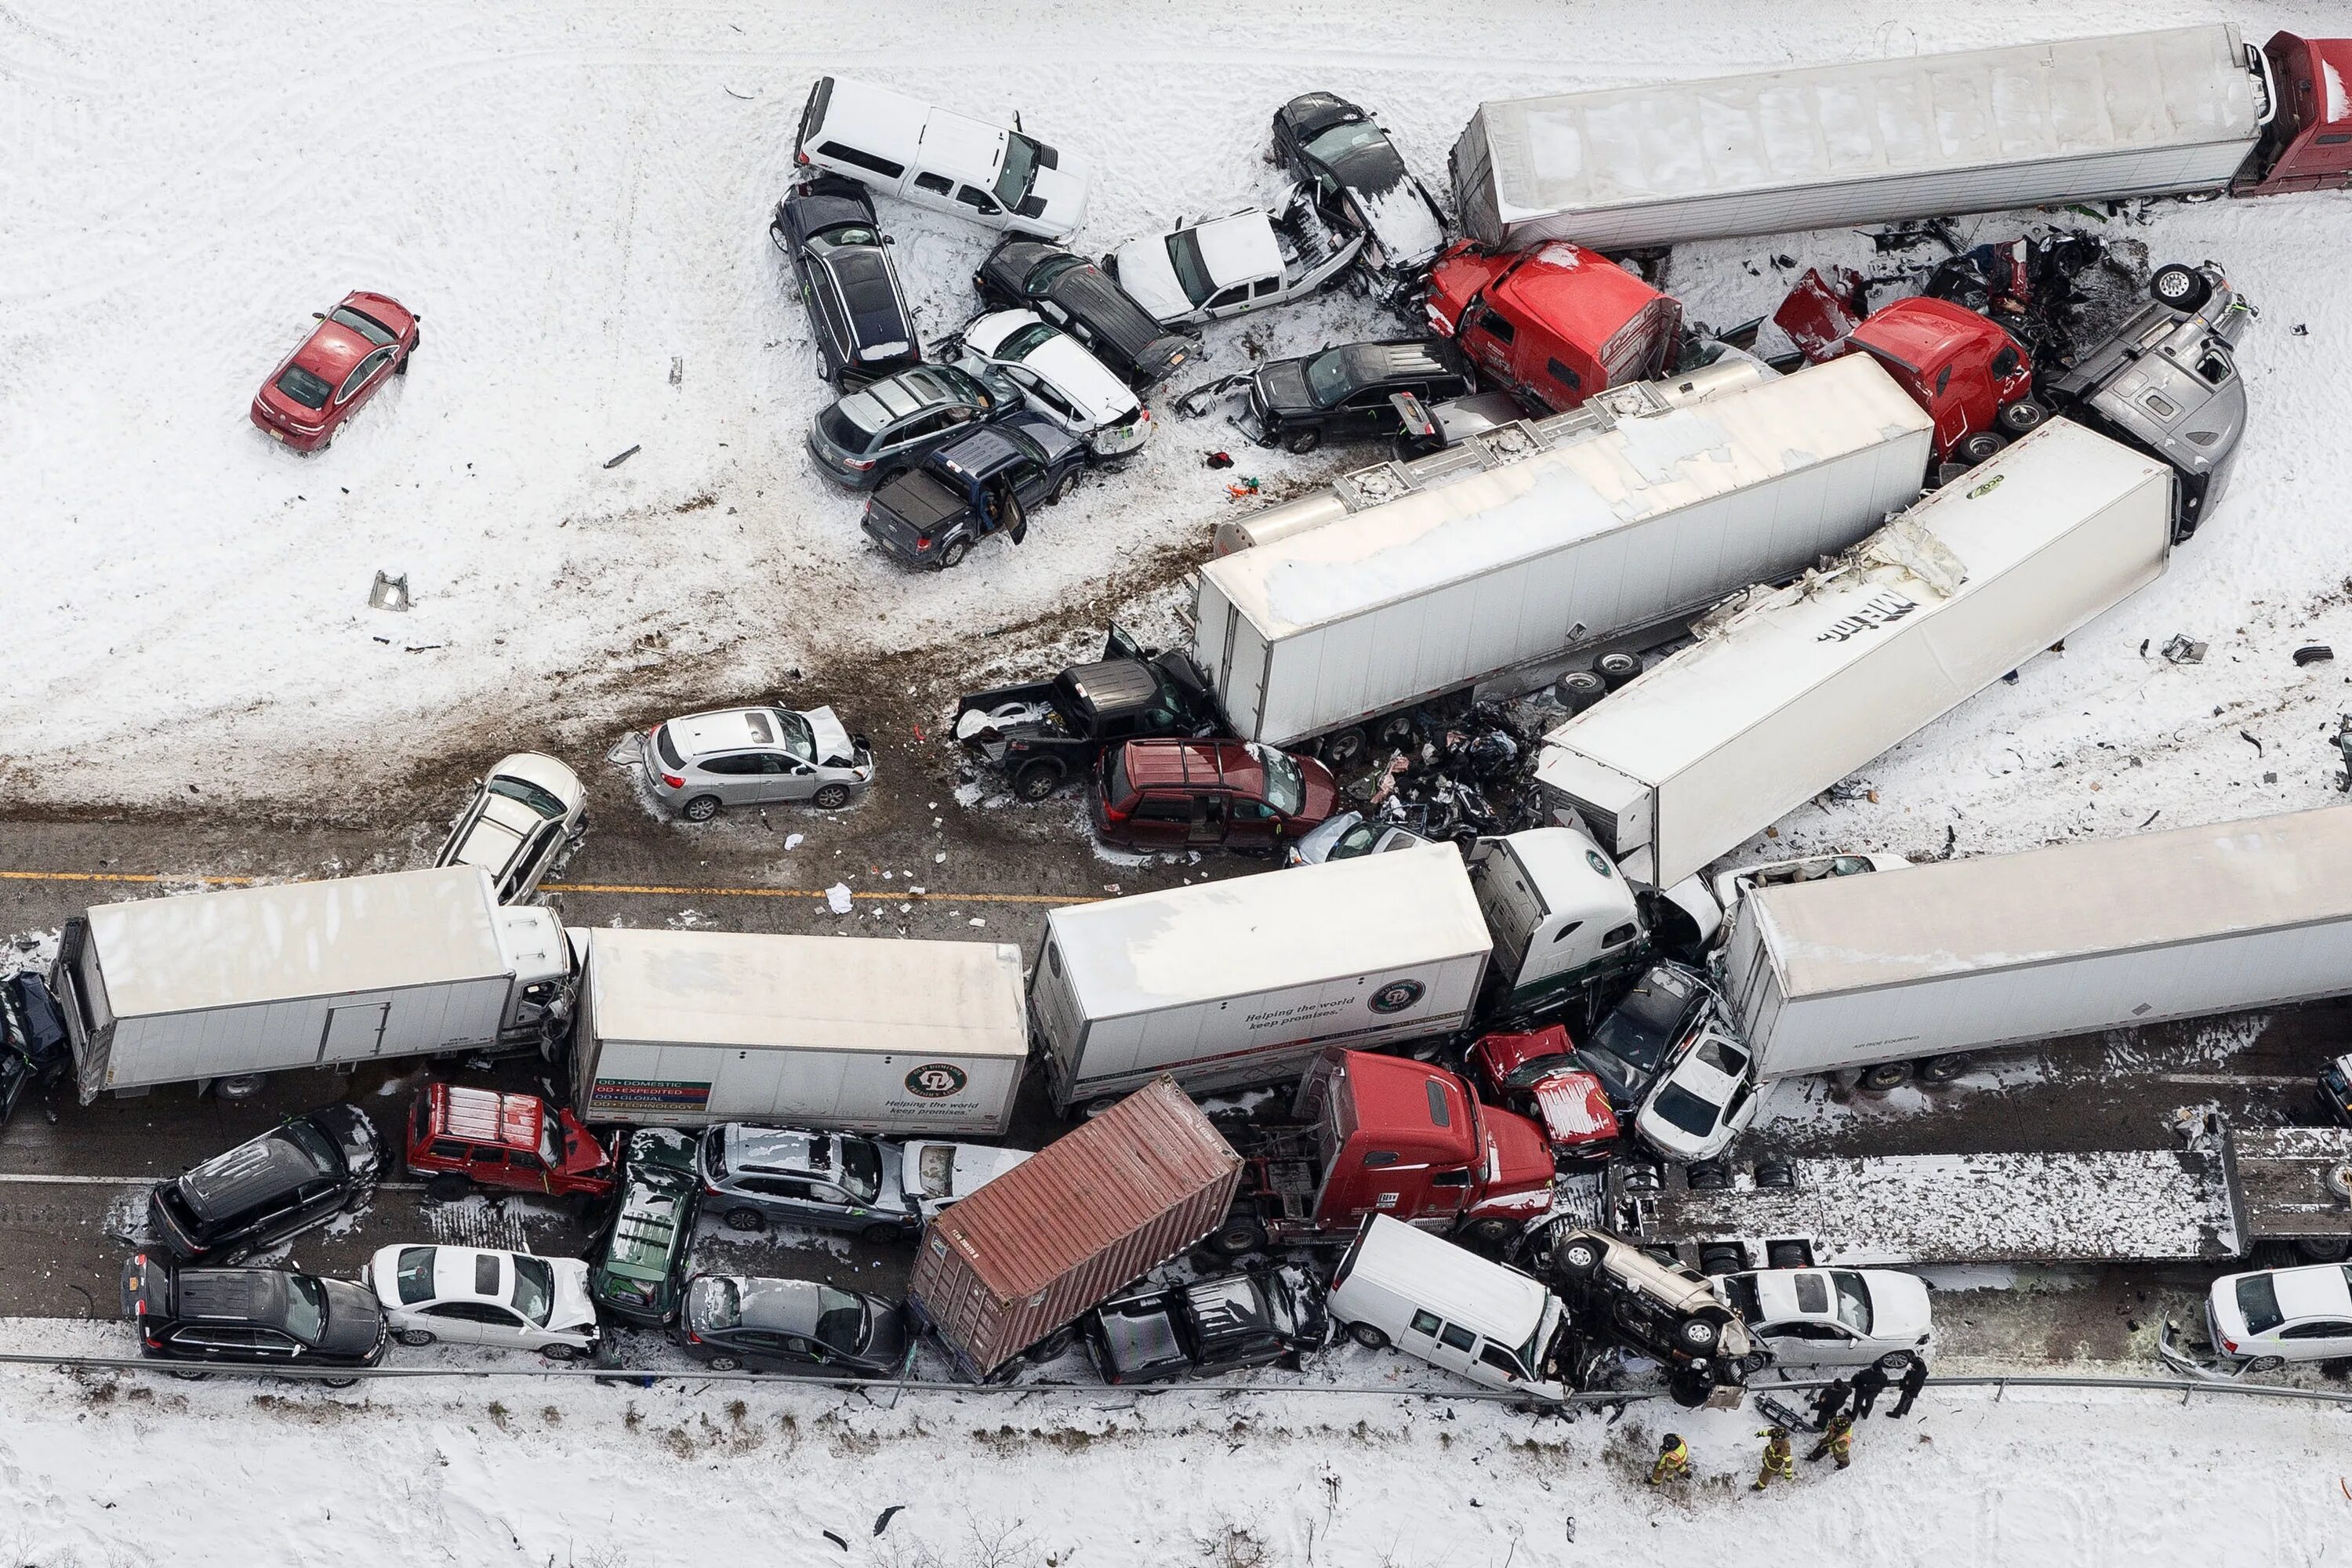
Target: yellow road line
[[903, 896]]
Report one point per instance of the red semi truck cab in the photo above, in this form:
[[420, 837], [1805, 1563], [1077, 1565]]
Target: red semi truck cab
[[1377, 1134], [2308, 146], [1554, 324], [1957, 365]]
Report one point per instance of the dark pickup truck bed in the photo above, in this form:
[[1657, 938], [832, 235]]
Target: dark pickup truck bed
[[1042, 734]]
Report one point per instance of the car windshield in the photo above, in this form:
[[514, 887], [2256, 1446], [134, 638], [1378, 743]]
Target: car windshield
[[534, 1289], [1685, 1110], [530, 795], [1357, 840], [840, 1319], [861, 1169], [1852, 1300], [1019, 171], [1191, 267], [1741, 1291], [847, 234], [368, 326], [795, 736], [1327, 380], [306, 1307], [1285, 786], [304, 388], [2258, 1300], [722, 1305], [413, 1275], [1341, 139], [1023, 342], [315, 1146]]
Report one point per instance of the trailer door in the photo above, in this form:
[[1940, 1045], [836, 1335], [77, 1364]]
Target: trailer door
[[353, 1031]]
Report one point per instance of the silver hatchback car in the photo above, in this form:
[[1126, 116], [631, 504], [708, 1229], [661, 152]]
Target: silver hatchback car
[[755, 756]]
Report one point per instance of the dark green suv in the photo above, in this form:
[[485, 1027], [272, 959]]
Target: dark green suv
[[642, 1258]]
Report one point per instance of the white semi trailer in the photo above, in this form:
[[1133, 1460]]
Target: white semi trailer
[[217, 988], [684, 1028], [1785, 692], [2023, 125], [1490, 581]]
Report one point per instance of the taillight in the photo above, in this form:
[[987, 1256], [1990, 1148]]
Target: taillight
[[2230, 1345], [1116, 813], [801, 159], [922, 542], [153, 1344], [692, 1338], [860, 464], [675, 781]]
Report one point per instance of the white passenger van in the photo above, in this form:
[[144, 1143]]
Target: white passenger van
[[1428, 1297], [967, 168]]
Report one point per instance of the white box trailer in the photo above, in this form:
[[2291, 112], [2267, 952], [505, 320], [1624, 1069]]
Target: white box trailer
[[1452, 588], [686, 1027], [1931, 961], [2024, 125], [1788, 691], [220, 986], [1245, 981]]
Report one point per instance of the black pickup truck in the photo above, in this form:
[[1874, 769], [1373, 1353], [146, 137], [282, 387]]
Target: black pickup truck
[[1047, 732]]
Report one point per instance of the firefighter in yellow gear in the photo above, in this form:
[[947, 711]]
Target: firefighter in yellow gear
[[1837, 1443], [1674, 1461], [1778, 1458]]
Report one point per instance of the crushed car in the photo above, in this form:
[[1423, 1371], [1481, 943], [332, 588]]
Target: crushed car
[[1201, 272], [794, 1326], [1042, 734], [1360, 183], [34, 1051], [1024, 359], [1621, 1300], [1536, 1074], [1375, 391], [462, 1139], [1084, 300], [1179, 794], [1156, 1332], [882, 1189]]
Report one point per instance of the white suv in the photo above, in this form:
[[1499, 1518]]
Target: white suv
[[967, 168]]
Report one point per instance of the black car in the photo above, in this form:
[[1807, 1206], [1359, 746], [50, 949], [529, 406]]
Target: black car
[[34, 1052], [982, 483], [251, 1317], [1625, 1050], [1042, 734], [1082, 300], [1351, 392], [841, 259], [1221, 1325], [1361, 186], [865, 436], [791, 1325], [266, 1188]]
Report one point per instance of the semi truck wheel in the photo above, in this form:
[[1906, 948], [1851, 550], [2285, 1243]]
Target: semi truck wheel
[[1346, 750], [244, 1086], [2022, 415], [1885, 1076], [1238, 1236], [1943, 1068], [1786, 1255], [1035, 782], [2182, 287], [1977, 449], [1370, 1338], [1492, 1232], [2325, 1249], [1616, 668], [1579, 690]]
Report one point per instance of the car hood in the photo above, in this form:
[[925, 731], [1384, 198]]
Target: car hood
[[1315, 847], [936, 1174], [354, 1319], [886, 1339], [833, 747], [1062, 192], [1898, 1305], [1322, 790], [355, 1136], [573, 1308], [1282, 386], [1150, 279], [1400, 221]]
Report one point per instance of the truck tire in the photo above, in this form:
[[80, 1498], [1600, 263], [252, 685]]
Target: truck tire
[[1299, 442], [886, 1235], [1397, 732], [1788, 1255], [1979, 447], [952, 556], [1491, 1232], [2325, 1249], [1579, 690], [701, 808], [1721, 1257], [2024, 415], [1238, 1236], [448, 1188], [2182, 287], [746, 1218], [1696, 1336], [1579, 1259], [832, 797], [1344, 751], [1878, 1079], [242, 1085], [1370, 1338], [1943, 1068], [1775, 1173], [1037, 780], [1707, 1177], [1616, 668], [1053, 1347]]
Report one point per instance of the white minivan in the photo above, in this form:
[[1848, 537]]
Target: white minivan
[[967, 168], [1428, 1297]]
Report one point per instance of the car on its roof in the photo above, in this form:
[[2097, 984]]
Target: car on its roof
[[470, 1296], [983, 482], [460, 1138], [528, 812], [1833, 1316], [864, 437], [1156, 1331], [1353, 391], [1361, 185], [250, 1317], [1199, 272], [643, 1250], [269, 1187], [33, 1049], [1052, 372], [1175, 793], [755, 756], [881, 1188], [353, 351], [797, 1326], [1085, 301], [841, 260], [1704, 1098]]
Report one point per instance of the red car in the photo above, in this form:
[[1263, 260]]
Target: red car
[[461, 1138], [1537, 1075], [357, 347], [1179, 794]]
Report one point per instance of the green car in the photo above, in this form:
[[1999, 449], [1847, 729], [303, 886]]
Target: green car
[[643, 1255]]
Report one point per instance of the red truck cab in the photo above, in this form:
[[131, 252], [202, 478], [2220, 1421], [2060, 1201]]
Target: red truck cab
[[1379, 1134], [462, 1137], [1958, 366], [1554, 324], [2308, 146], [1537, 1075]]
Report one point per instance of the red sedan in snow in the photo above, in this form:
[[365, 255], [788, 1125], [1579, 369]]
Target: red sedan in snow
[[356, 348]]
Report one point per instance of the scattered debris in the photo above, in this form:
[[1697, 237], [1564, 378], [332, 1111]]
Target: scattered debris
[[836, 898], [677, 375], [883, 1522], [391, 592], [2300, 331], [1242, 488], [1218, 460], [2248, 738], [730, 91], [836, 1539], [2181, 650], [2313, 653], [614, 462]]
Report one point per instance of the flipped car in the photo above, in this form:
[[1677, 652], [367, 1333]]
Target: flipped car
[[795, 1326], [526, 813], [349, 356], [1247, 261], [251, 1317], [1082, 300], [983, 483], [293, 1177], [755, 756], [1158, 1332], [1361, 185], [841, 260]]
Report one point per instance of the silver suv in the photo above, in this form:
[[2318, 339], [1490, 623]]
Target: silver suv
[[837, 1181], [755, 756]]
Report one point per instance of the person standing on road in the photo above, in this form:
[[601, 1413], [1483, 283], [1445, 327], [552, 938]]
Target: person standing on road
[[1780, 1459], [1830, 1399], [1915, 1378], [1868, 1384], [1674, 1460], [1836, 1443]]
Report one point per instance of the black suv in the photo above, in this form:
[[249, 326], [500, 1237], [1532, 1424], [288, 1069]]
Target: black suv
[[268, 1188], [1625, 1050], [979, 484], [1361, 186], [34, 1052], [1351, 392], [842, 260], [1220, 1324], [1080, 297], [1042, 734], [251, 1317]]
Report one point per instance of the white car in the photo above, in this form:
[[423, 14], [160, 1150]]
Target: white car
[[2272, 1316], [526, 815], [1349, 835], [1832, 1317], [1223, 266], [933, 1175], [1704, 1098], [471, 1297], [1052, 372]]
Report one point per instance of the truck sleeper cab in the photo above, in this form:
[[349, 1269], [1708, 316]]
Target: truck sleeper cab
[[1554, 324], [1561, 916]]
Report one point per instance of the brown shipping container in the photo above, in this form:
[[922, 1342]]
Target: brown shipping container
[[1059, 1232]]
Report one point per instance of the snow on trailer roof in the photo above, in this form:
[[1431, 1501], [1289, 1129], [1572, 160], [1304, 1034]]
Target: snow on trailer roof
[[1243, 935], [1741, 674], [2146, 890], [245, 945], [1870, 120], [1617, 479], [811, 993]]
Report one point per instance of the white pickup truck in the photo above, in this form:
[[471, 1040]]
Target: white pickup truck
[[1199, 272]]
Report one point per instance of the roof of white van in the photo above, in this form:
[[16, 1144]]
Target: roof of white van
[[1456, 1284], [807, 992]]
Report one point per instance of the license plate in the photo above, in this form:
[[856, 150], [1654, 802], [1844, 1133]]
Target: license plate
[[275, 433]]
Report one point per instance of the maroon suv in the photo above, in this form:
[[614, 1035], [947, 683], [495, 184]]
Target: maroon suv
[[1179, 793]]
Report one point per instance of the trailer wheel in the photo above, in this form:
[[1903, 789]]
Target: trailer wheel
[[1722, 1257], [1707, 1177], [1775, 1173], [2182, 287], [1345, 750], [1786, 1255], [1492, 1232], [1616, 668], [1943, 1068], [1053, 1347], [1983, 445], [2326, 1248], [1885, 1076], [244, 1086], [1238, 1236], [1370, 1338], [1036, 781], [1397, 731], [1579, 690], [2022, 415]]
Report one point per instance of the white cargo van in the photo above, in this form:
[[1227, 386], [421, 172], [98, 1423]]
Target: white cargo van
[[1402, 1288], [966, 168]]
